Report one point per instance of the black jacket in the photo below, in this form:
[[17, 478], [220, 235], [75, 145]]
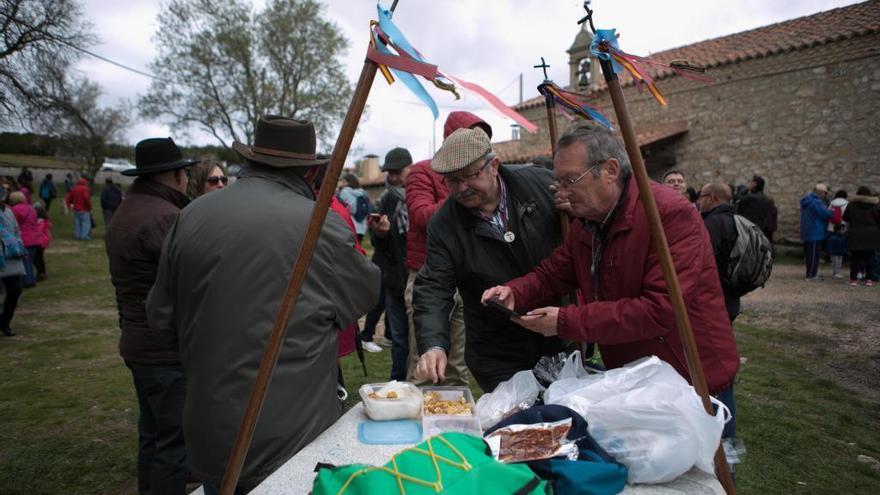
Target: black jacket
[[757, 208], [862, 215], [464, 252], [390, 252], [722, 232], [134, 242]]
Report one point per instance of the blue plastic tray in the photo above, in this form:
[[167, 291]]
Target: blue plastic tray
[[397, 431]]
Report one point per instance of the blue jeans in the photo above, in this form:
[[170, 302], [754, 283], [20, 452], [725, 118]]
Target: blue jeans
[[161, 391], [373, 317], [30, 277], [395, 311], [812, 251], [82, 225], [726, 397]]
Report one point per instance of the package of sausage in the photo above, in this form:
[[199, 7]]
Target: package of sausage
[[520, 443]]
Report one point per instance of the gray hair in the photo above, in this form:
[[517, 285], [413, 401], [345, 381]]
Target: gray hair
[[601, 144]]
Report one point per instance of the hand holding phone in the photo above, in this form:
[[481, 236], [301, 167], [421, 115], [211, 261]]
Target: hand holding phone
[[497, 306]]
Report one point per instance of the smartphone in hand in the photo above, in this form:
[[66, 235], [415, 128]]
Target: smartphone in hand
[[374, 218], [497, 306]]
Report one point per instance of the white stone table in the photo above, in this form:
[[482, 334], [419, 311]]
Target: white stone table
[[339, 445]]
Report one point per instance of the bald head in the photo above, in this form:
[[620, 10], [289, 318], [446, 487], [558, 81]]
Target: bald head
[[714, 194]]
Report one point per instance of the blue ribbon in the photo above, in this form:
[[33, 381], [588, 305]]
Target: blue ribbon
[[609, 36], [398, 39]]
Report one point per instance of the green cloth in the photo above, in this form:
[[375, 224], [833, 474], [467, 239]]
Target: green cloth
[[465, 467]]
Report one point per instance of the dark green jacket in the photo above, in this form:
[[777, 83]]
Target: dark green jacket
[[464, 252], [225, 265]]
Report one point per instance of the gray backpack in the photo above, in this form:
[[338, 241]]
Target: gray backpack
[[751, 259]]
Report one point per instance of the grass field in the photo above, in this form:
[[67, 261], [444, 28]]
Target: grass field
[[69, 413], [36, 161]]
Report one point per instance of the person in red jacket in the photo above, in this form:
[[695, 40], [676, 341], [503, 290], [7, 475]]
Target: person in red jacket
[[79, 200], [609, 256], [425, 194]]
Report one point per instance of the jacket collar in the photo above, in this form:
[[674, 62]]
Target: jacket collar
[[149, 187], [720, 209], [290, 178]]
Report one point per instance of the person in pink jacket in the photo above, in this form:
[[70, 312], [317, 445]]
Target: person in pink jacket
[[26, 216], [44, 225]]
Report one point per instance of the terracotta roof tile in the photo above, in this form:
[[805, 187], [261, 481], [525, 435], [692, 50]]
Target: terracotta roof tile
[[802, 32]]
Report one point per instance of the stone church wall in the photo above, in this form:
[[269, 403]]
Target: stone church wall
[[796, 118]]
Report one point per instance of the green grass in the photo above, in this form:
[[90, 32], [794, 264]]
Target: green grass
[[36, 161], [69, 412]]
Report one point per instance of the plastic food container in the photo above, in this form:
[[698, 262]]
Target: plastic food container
[[434, 424], [392, 400]]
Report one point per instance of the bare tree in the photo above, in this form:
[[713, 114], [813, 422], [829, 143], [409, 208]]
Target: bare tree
[[66, 105], [221, 66], [33, 31]]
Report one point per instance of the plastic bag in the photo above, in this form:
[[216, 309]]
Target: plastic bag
[[509, 397], [650, 419], [392, 400], [532, 442], [572, 377]]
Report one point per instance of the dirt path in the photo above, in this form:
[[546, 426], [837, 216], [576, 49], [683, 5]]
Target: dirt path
[[845, 320]]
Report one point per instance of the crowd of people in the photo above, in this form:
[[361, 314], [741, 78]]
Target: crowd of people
[[470, 269], [844, 226]]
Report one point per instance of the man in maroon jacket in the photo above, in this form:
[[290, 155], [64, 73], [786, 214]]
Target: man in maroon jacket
[[425, 194], [609, 256]]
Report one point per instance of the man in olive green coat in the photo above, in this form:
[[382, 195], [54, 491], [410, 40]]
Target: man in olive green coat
[[224, 268]]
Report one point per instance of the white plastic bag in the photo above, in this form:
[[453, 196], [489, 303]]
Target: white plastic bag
[[650, 419], [572, 377], [514, 395]]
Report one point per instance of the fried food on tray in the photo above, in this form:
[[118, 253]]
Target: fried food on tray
[[434, 405], [391, 395]]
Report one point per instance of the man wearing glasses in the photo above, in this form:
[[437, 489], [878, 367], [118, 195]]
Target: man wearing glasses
[[609, 256], [498, 223]]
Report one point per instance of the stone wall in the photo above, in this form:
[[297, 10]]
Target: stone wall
[[797, 118]]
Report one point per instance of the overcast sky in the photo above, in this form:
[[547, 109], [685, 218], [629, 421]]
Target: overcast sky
[[489, 42]]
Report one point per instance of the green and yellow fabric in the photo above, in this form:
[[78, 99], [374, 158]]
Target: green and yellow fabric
[[450, 463]]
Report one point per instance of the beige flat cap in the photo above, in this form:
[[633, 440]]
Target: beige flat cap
[[461, 148]]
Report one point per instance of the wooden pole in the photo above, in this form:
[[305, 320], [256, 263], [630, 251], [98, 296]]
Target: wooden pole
[[300, 269], [661, 246]]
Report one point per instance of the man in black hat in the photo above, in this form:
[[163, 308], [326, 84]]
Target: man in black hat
[[134, 241], [389, 227], [224, 269]]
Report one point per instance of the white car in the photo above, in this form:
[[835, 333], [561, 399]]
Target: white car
[[116, 165]]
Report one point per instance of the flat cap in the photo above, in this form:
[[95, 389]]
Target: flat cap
[[461, 148], [397, 159]]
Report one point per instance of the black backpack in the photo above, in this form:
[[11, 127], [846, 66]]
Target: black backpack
[[751, 258]]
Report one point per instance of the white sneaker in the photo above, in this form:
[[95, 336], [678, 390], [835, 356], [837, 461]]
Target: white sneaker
[[372, 347]]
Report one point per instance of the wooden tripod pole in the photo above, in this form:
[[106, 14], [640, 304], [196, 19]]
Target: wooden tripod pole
[[551, 126], [550, 104], [661, 246], [300, 269]]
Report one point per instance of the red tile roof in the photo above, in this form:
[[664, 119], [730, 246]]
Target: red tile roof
[[796, 34], [521, 152]]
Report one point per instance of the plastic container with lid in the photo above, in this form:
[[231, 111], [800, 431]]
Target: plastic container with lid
[[392, 400], [434, 424]]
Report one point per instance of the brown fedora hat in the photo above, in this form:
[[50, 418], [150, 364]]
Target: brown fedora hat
[[282, 142]]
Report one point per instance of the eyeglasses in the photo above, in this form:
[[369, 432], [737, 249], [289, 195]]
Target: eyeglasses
[[454, 181], [566, 183], [214, 179]]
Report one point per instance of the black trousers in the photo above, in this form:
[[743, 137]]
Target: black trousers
[[161, 391], [13, 292]]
